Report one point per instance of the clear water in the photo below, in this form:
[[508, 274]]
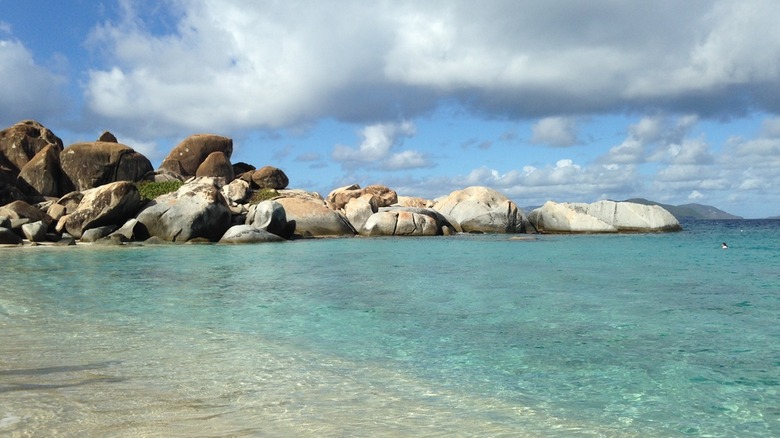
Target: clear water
[[651, 335]]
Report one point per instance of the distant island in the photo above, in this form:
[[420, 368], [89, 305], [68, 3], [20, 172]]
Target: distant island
[[690, 211]]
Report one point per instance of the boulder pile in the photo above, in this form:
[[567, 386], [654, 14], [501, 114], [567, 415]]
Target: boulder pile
[[92, 192]]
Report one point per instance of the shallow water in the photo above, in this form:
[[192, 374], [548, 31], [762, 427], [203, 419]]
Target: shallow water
[[626, 335]]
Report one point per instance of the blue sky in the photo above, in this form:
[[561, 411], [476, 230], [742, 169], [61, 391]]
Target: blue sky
[[566, 100]]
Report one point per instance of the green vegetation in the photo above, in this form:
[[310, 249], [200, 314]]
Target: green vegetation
[[263, 195], [150, 189]]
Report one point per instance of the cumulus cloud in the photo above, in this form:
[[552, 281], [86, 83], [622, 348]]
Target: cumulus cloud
[[233, 64], [27, 89], [376, 149], [555, 131]]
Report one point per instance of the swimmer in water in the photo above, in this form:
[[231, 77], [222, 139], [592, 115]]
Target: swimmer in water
[[724, 246]]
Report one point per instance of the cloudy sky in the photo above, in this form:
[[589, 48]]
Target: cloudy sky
[[674, 101]]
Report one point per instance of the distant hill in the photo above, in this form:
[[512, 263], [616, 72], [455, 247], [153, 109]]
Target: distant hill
[[690, 211], [686, 211]]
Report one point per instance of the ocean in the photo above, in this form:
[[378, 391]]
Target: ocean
[[635, 335]]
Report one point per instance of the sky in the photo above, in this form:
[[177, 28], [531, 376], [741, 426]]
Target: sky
[[570, 101]]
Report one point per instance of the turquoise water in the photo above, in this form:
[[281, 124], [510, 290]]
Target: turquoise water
[[650, 335]]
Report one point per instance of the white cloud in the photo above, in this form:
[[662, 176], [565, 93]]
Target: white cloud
[[27, 90], [376, 149], [695, 195], [234, 64], [407, 160], [555, 131]]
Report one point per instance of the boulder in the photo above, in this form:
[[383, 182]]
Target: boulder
[[108, 204], [56, 211], [241, 168], [397, 222], [216, 164], [90, 165], [108, 137], [22, 141], [553, 217], [313, 218], [482, 210], [162, 175], [248, 234], [95, 234], [8, 237], [187, 156], [358, 210], [237, 192], [132, 230], [633, 217], [196, 210], [410, 201], [341, 196], [42, 175], [10, 193], [70, 201], [35, 231], [601, 217], [270, 216], [23, 210], [269, 177]]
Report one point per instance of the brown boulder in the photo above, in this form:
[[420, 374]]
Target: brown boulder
[[313, 218], [383, 195], [89, 165], [217, 164], [20, 142], [23, 210], [108, 204], [108, 137], [270, 177], [42, 175], [188, 155]]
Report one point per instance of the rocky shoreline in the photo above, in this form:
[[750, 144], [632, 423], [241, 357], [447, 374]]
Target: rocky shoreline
[[96, 192]]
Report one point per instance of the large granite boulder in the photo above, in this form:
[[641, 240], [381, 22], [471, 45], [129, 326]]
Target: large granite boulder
[[383, 195], [408, 221], [602, 217], [35, 231], [42, 175], [270, 216], [8, 237], [482, 210], [10, 193], [109, 204], [270, 177], [358, 210], [411, 201], [313, 218], [92, 164], [248, 234], [22, 141], [188, 155], [237, 192], [217, 165], [398, 222], [23, 210], [196, 210]]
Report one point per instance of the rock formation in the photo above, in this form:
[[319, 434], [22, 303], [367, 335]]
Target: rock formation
[[602, 217], [90, 192], [482, 210], [89, 165], [197, 209], [188, 155]]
